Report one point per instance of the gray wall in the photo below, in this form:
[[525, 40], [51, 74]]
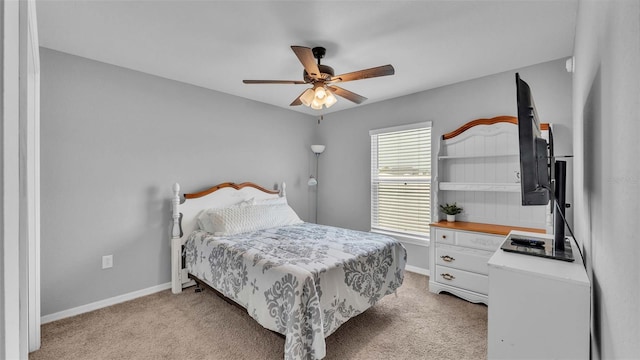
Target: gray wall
[[345, 164], [606, 111], [114, 141]]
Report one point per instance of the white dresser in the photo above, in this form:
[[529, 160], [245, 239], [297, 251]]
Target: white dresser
[[460, 254], [540, 308]]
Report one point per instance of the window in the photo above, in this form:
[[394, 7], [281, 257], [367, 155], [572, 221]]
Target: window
[[401, 180]]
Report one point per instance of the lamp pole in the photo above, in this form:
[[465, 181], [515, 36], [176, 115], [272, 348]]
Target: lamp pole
[[317, 185], [317, 150]]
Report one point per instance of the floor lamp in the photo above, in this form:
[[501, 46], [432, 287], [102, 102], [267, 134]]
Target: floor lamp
[[317, 149]]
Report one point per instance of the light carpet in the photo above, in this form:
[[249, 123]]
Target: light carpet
[[415, 325]]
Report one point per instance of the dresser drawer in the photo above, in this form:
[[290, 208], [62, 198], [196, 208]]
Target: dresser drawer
[[462, 279], [472, 260], [445, 236], [479, 241]]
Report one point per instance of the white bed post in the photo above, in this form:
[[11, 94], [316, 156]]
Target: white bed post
[[283, 190], [176, 244]]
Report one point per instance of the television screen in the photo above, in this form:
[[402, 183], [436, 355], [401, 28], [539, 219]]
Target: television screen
[[538, 168], [534, 150]]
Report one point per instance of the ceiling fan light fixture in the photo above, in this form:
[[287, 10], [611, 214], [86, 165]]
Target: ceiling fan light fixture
[[307, 97], [320, 92], [330, 100], [316, 105]]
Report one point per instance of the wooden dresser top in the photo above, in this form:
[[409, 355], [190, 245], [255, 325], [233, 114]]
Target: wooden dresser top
[[484, 228]]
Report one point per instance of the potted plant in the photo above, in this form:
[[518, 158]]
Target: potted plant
[[451, 210]]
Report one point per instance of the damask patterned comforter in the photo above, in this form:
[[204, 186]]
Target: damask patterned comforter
[[302, 281]]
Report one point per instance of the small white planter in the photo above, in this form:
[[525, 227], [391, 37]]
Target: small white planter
[[451, 218]]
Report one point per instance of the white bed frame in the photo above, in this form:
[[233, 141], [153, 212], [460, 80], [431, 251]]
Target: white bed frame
[[185, 217]]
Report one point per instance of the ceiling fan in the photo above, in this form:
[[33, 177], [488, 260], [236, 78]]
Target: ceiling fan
[[323, 79]]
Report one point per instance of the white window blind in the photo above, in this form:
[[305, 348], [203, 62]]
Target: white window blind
[[401, 179]]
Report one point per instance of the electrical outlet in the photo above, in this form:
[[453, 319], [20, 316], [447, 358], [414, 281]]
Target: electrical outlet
[[107, 261]]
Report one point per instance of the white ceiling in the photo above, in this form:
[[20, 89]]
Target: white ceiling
[[217, 44]]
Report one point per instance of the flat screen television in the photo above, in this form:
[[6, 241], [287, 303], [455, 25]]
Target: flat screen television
[[541, 177], [535, 156]]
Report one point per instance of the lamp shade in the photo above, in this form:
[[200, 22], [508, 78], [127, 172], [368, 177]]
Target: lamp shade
[[307, 97], [331, 99], [317, 149], [320, 93]]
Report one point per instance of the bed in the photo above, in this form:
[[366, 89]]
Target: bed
[[298, 279]]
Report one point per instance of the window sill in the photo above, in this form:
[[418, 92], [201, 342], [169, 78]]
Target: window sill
[[405, 238]]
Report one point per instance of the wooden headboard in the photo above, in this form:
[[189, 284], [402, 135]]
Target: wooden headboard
[[185, 216], [494, 120]]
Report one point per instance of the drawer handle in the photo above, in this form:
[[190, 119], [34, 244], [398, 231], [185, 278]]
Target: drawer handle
[[447, 276], [444, 236], [447, 258]]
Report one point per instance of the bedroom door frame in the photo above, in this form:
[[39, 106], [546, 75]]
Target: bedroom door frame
[[20, 190], [30, 168], [12, 343], [21, 180]]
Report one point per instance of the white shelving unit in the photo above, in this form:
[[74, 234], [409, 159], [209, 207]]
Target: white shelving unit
[[447, 157], [462, 186], [478, 167]]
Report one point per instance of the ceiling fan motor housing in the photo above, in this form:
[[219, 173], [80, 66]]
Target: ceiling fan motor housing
[[326, 72]]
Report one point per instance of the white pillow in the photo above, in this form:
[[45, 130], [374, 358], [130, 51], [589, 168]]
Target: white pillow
[[204, 220], [239, 219], [274, 201], [270, 201]]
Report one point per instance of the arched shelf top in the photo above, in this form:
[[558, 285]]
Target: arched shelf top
[[229, 185], [491, 121]]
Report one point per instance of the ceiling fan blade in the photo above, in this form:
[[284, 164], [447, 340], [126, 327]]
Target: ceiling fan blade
[[364, 74], [351, 96], [305, 55], [273, 82], [297, 101]]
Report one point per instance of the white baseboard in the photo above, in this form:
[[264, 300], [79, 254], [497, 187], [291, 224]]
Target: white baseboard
[[144, 292], [103, 303], [417, 270]]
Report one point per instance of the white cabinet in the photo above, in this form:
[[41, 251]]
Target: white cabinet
[[459, 257], [540, 308]]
